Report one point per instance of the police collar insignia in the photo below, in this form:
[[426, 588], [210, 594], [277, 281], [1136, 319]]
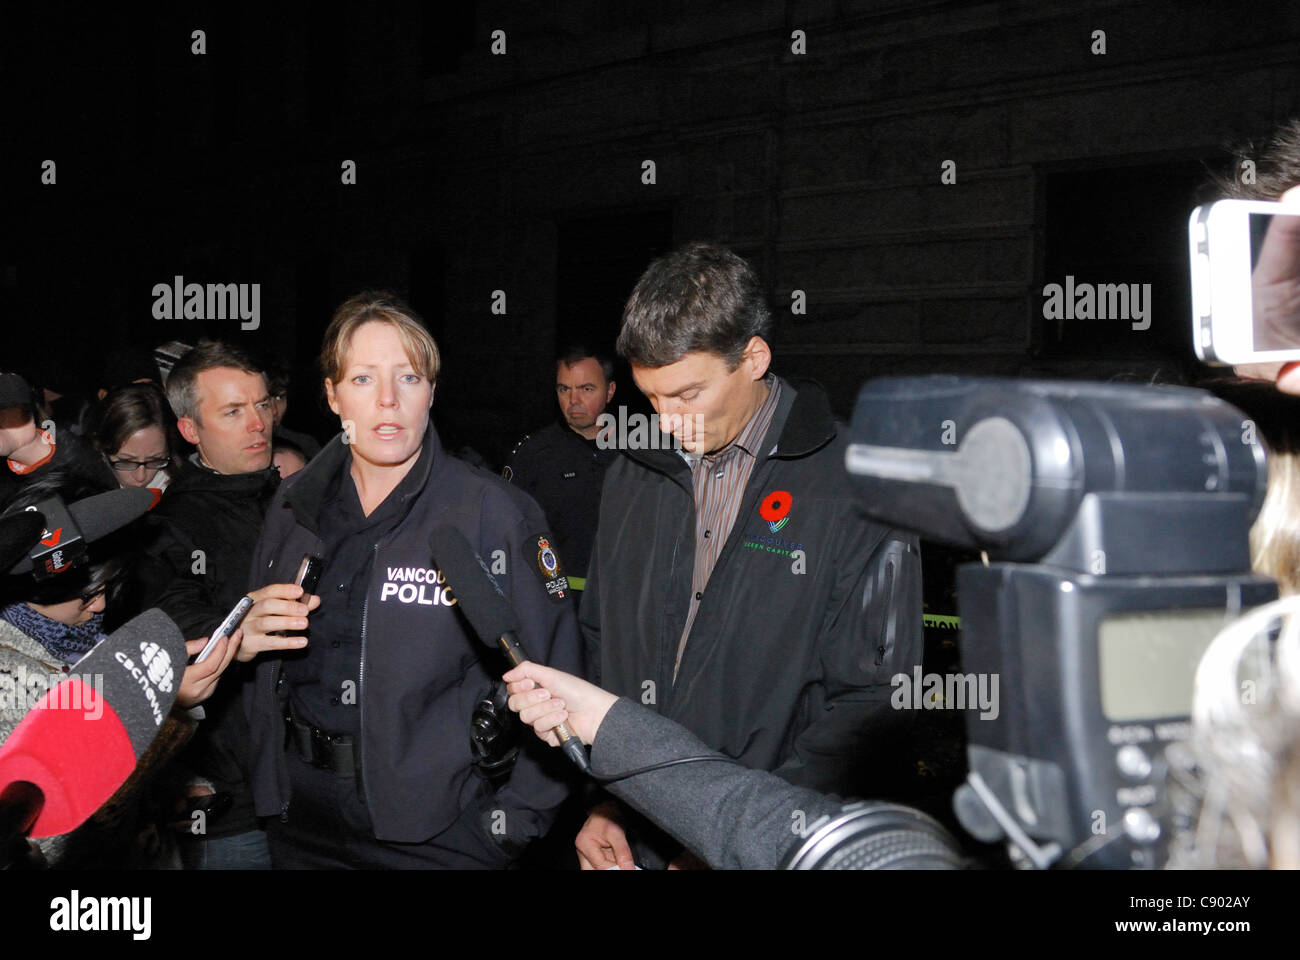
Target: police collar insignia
[[549, 570]]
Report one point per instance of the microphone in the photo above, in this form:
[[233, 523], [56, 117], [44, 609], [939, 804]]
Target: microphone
[[489, 612], [82, 739], [69, 527], [19, 532]]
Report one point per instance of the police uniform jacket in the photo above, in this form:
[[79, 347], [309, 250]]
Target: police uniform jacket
[[565, 474], [422, 668], [805, 618]]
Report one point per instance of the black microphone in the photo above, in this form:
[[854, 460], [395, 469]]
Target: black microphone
[[69, 527], [80, 741], [489, 612]]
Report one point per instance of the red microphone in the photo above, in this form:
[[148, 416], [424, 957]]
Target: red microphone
[[81, 740]]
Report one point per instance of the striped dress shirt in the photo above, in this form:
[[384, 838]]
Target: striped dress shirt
[[719, 480]]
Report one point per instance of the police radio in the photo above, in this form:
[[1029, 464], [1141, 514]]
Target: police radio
[[1115, 521]]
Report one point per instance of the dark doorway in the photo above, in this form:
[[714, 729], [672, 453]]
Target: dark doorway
[[1120, 225], [599, 260]]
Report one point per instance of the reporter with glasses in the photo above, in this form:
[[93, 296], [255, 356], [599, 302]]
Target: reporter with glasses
[[134, 430]]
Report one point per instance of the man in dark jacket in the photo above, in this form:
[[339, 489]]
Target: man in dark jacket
[[207, 525], [735, 585], [562, 466]]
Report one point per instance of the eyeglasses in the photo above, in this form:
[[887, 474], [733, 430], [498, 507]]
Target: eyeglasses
[[94, 594], [131, 466]]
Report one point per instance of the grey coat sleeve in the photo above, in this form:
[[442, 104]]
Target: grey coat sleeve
[[728, 815]]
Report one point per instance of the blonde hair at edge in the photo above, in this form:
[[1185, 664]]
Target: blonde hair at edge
[[1238, 775], [1275, 537]]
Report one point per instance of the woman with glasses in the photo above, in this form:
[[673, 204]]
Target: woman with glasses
[[134, 429]]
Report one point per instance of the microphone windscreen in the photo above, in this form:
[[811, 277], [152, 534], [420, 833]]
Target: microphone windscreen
[[82, 739], [476, 590], [18, 534], [100, 515]]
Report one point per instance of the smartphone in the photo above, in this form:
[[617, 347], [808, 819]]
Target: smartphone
[[309, 570], [226, 628], [1245, 267]]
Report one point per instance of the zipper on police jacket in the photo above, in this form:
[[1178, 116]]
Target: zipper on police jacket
[[281, 771], [361, 683]]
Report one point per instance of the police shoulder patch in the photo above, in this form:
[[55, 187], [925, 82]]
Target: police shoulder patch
[[548, 567]]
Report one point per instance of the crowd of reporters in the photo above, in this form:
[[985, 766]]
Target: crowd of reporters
[[207, 435]]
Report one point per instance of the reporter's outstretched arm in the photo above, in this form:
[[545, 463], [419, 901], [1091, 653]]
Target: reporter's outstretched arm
[[729, 815]]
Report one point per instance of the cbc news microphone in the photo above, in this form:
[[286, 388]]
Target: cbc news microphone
[[81, 740], [489, 612]]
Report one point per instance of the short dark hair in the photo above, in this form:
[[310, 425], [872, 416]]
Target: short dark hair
[[1276, 166], [127, 410], [182, 382], [285, 445], [577, 352], [699, 298]]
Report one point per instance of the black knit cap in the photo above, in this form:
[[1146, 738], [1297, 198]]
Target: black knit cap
[[14, 391]]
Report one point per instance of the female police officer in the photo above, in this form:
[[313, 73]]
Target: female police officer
[[377, 696]]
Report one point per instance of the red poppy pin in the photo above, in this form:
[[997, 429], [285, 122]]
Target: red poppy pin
[[775, 508]]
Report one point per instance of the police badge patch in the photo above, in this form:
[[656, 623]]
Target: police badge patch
[[549, 570]]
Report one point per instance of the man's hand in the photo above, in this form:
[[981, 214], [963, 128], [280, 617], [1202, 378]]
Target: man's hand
[[200, 679], [601, 842], [276, 607], [544, 698]]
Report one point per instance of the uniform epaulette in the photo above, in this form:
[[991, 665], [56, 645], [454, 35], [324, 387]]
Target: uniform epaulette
[[506, 471]]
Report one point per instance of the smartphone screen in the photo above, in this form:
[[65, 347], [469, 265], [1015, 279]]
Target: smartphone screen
[[1275, 279]]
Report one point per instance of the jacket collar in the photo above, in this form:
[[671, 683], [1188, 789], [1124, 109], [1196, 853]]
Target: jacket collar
[[306, 490], [190, 477], [803, 415]]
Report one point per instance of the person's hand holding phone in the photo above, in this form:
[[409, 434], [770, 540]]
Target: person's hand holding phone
[[277, 608], [200, 679]]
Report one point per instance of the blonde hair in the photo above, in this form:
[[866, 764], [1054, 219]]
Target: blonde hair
[[1275, 537], [378, 307], [1237, 778]]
